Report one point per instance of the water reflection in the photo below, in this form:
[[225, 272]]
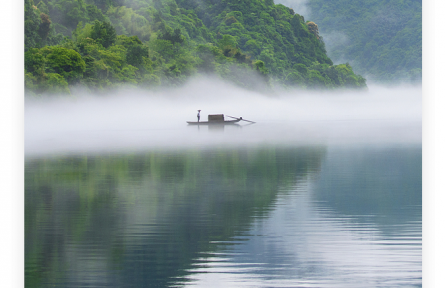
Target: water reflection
[[305, 244], [141, 219], [257, 217], [355, 224]]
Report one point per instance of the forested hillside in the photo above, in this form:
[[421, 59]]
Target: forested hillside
[[382, 39], [102, 44]]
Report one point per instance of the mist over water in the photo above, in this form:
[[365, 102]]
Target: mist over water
[[327, 211], [132, 119]]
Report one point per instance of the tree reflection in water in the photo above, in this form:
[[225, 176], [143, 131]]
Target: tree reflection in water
[[141, 219]]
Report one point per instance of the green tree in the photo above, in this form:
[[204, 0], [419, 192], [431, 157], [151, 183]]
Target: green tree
[[95, 13], [35, 62], [174, 36], [104, 33], [227, 42], [55, 84], [32, 23], [66, 62], [315, 79], [294, 79], [260, 67], [44, 27]]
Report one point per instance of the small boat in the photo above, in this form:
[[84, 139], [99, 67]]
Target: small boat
[[227, 122], [218, 119]]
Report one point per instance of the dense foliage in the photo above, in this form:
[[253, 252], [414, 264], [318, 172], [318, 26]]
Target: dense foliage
[[101, 44], [381, 38]]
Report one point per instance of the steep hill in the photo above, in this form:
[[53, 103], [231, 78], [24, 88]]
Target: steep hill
[[382, 39], [105, 43]]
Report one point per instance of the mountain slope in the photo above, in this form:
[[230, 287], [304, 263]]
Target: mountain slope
[[103, 44], [382, 39]]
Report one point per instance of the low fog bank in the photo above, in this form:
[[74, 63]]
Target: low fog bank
[[132, 120]]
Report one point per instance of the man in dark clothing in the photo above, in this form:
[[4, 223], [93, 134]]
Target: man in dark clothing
[[199, 116]]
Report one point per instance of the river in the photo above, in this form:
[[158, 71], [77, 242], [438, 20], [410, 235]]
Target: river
[[314, 196]]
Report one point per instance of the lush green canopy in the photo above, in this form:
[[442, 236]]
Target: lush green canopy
[[101, 44]]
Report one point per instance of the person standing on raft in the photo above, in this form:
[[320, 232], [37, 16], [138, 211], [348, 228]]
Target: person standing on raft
[[199, 116]]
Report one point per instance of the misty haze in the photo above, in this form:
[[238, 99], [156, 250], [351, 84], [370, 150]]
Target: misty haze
[[329, 164], [135, 119], [209, 143]]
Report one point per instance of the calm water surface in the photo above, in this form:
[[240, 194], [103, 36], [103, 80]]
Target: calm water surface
[[325, 216]]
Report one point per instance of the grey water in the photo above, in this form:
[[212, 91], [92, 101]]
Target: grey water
[[323, 191]]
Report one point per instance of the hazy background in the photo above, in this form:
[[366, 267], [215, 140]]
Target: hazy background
[[381, 40], [132, 119]]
